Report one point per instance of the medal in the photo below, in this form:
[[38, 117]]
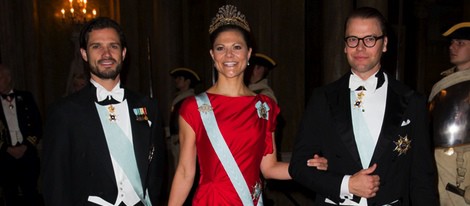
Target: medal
[[204, 108], [262, 109], [9, 100], [256, 191], [112, 115], [359, 98], [141, 114], [402, 145]]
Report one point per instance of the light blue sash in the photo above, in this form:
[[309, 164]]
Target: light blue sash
[[222, 150], [122, 151], [365, 143]]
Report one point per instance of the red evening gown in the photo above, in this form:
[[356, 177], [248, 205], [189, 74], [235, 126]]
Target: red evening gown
[[248, 136]]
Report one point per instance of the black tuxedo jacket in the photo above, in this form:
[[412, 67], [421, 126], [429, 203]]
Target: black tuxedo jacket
[[29, 122], [77, 162], [327, 130]]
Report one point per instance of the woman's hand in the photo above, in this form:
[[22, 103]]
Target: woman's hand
[[320, 163]]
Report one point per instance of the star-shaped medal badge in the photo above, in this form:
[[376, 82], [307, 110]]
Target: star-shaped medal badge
[[402, 145]]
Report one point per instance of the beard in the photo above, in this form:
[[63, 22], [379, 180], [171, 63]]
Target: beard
[[106, 74]]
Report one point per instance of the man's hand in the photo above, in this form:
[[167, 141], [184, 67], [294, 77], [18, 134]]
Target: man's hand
[[363, 184], [17, 152], [320, 163]]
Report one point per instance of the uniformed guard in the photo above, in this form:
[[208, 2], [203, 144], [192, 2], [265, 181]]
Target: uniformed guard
[[185, 81], [257, 73], [450, 112]]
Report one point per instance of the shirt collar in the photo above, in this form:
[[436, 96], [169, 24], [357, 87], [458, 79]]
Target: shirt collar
[[371, 84]]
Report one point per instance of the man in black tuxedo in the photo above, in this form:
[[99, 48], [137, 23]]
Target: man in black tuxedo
[[370, 127], [20, 131], [103, 145]]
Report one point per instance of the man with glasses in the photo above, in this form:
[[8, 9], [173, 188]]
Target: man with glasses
[[370, 127]]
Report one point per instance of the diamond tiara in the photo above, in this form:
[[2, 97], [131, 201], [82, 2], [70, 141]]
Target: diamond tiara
[[228, 15]]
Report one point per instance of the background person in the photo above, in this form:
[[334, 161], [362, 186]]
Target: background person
[[257, 73], [450, 105], [185, 81], [20, 132]]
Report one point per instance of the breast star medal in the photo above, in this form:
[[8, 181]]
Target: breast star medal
[[112, 115], [402, 145]]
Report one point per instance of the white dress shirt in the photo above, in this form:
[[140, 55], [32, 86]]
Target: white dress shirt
[[9, 109]]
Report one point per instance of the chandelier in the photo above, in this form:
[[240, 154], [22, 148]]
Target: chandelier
[[77, 12]]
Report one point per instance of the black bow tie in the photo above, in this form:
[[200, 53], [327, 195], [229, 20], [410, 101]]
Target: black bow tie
[[108, 101], [8, 96], [361, 88]]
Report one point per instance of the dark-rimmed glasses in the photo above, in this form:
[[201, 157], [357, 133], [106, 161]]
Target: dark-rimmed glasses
[[369, 41]]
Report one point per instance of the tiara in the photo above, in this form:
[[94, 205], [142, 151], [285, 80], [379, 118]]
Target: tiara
[[228, 15]]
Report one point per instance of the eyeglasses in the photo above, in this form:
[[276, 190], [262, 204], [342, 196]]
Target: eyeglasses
[[369, 41]]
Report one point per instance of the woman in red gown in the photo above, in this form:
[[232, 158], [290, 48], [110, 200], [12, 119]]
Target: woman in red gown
[[246, 121]]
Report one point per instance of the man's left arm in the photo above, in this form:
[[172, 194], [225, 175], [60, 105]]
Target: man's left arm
[[157, 157]]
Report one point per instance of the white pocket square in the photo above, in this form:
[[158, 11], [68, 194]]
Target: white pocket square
[[405, 122]]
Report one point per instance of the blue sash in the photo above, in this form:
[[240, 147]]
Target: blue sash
[[122, 151], [365, 143]]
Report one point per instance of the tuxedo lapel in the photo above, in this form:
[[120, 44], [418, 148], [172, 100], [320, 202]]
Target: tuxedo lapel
[[394, 111], [339, 103], [92, 120]]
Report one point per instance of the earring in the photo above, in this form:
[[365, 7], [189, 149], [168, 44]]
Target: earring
[[248, 64]]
